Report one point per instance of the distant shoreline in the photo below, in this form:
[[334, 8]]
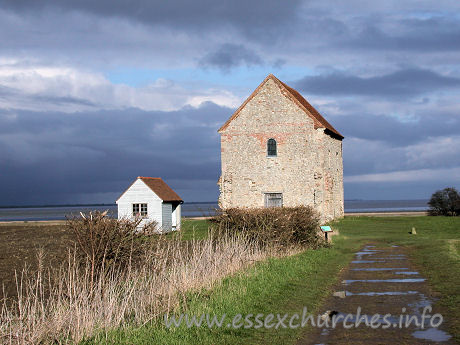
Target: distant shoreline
[[187, 202], [347, 214], [86, 205], [34, 213], [366, 214], [384, 213]]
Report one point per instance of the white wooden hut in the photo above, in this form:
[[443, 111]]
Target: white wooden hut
[[153, 200]]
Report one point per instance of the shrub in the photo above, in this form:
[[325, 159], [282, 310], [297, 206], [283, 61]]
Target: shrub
[[283, 226], [107, 243], [445, 202]]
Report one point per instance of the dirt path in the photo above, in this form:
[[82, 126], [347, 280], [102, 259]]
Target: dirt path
[[380, 280]]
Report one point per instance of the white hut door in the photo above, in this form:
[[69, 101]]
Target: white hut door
[[174, 216]]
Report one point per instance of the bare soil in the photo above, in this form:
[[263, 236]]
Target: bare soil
[[20, 243]]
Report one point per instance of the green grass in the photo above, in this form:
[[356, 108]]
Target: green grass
[[191, 229], [286, 285]]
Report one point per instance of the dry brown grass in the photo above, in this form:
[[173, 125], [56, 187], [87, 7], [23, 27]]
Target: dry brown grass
[[68, 303]]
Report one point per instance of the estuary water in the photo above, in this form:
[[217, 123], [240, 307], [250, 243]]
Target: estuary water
[[192, 209]]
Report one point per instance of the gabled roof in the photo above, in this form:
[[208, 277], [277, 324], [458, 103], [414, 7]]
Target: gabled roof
[[296, 97], [159, 187]]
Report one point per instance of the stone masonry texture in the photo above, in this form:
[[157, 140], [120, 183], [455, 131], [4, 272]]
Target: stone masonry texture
[[308, 167]]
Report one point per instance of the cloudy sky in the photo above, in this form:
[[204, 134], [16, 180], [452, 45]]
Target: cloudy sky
[[96, 93]]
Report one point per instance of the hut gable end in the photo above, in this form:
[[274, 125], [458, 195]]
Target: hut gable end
[[154, 201]]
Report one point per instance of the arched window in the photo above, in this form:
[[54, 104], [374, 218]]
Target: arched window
[[271, 147]]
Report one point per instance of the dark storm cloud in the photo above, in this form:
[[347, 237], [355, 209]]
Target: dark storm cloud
[[434, 34], [15, 96], [94, 32], [52, 156], [400, 84], [377, 157], [396, 132], [246, 15], [386, 190], [228, 56], [61, 101]]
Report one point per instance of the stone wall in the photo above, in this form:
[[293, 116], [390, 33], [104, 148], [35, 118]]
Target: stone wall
[[308, 166]]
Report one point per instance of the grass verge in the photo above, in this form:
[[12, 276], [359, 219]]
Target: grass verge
[[285, 285], [278, 285]]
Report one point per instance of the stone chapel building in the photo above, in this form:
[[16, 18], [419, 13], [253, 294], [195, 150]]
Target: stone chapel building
[[277, 150]]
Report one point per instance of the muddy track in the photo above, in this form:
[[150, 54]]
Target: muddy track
[[380, 280]]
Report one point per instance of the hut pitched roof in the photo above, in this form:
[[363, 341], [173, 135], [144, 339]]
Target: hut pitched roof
[[159, 187]]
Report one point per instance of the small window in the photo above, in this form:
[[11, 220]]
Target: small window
[[273, 199], [140, 210], [271, 147]]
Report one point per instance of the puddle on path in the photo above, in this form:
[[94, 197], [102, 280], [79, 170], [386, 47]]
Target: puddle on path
[[421, 303], [366, 319], [432, 334], [385, 293], [407, 272], [404, 280], [381, 269], [388, 258], [367, 252], [366, 261]]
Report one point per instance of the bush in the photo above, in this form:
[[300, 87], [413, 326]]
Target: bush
[[285, 226], [107, 243], [445, 202]]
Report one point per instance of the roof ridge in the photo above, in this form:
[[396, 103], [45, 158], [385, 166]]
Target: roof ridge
[[318, 119]]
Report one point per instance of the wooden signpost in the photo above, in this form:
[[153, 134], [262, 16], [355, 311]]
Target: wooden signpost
[[326, 229]]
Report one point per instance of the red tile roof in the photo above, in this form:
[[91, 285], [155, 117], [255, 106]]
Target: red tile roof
[[294, 95], [159, 187]]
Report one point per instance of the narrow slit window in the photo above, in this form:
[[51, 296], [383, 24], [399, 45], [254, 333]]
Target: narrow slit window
[[271, 147]]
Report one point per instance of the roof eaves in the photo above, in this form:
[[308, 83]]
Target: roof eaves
[[319, 120]]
